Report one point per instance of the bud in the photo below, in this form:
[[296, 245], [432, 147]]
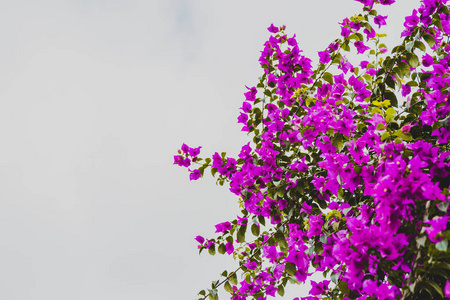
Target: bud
[[405, 129]]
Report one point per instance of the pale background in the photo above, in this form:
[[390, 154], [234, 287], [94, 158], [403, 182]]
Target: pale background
[[96, 97]]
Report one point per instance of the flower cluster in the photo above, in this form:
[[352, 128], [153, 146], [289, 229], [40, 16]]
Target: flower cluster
[[352, 178]]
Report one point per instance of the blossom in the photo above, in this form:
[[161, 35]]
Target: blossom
[[437, 225], [271, 253], [183, 162], [380, 20], [319, 288], [195, 175], [406, 128], [369, 34], [324, 57], [427, 60], [315, 226], [222, 227], [251, 94], [273, 29], [250, 264], [406, 89], [360, 47], [200, 239], [229, 248]]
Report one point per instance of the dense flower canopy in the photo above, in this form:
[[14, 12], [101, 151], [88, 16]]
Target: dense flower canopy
[[347, 173]]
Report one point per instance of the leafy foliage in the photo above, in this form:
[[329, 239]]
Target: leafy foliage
[[348, 173]]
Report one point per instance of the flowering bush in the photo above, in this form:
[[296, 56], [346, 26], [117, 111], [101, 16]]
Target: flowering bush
[[348, 172]]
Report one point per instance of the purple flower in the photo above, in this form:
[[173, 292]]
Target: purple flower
[[229, 248], [427, 60], [380, 20], [319, 288], [447, 289], [222, 227], [345, 31], [271, 80], [273, 29], [369, 34], [183, 162], [243, 118], [406, 89], [344, 65], [360, 47], [195, 175], [242, 221], [250, 264], [324, 57], [251, 94], [200, 239], [193, 152], [270, 290], [333, 46], [246, 107], [185, 148], [271, 253], [298, 258], [438, 224], [315, 226]]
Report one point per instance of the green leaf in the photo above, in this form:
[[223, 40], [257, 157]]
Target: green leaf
[[429, 39], [412, 59], [280, 290], [221, 249], [438, 25], [435, 286], [442, 245], [202, 292], [404, 69], [343, 287], [328, 77], [233, 279], [212, 250], [380, 126], [290, 268], [281, 240], [262, 220], [421, 241], [241, 234], [420, 45], [384, 136], [412, 83], [389, 115], [228, 287], [255, 230], [390, 82], [443, 206], [391, 96], [213, 294], [405, 137], [334, 277], [409, 46]]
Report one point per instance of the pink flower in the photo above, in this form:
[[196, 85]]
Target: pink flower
[[438, 224], [406, 128]]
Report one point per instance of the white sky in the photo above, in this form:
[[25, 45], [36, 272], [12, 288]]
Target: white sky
[[96, 97]]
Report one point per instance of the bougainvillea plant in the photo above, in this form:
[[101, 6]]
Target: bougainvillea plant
[[347, 171]]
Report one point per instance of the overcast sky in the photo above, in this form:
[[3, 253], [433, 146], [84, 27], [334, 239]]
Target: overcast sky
[[96, 97]]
